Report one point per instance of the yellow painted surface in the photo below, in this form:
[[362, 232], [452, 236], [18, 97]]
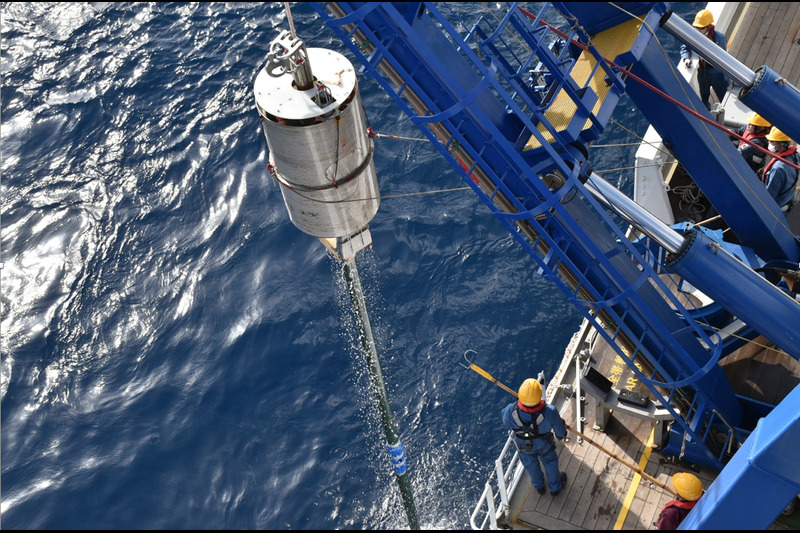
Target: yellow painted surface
[[610, 43], [626, 505]]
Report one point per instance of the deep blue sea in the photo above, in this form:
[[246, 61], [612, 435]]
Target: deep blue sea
[[175, 353]]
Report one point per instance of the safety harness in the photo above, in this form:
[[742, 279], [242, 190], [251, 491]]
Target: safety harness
[[748, 147], [790, 154], [750, 135], [684, 505], [530, 431]]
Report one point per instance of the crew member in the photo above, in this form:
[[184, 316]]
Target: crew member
[[689, 489], [781, 178], [534, 424], [756, 132], [708, 76]]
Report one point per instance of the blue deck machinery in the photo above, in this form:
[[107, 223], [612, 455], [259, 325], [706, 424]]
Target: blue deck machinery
[[514, 104]]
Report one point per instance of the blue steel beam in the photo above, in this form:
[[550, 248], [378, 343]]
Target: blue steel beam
[[764, 91], [711, 159], [704, 262], [760, 480], [656, 325]]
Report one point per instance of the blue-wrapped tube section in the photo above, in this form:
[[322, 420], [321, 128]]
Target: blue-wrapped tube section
[[703, 262], [775, 99], [398, 458]]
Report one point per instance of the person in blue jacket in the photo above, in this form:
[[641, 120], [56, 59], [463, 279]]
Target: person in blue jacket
[[781, 178], [534, 424], [708, 77]]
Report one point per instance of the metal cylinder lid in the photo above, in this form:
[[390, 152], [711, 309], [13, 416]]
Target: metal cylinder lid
[[277, 97]]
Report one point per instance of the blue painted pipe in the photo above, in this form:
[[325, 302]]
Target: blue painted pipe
[[704, 263], [708, 50], [764, 91], [775, 99]]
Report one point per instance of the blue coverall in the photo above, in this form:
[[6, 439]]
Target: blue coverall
[[542, 449], [781, 180], [754, 157], [707, 75]]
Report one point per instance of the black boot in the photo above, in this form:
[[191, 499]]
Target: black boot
[[563, 482]]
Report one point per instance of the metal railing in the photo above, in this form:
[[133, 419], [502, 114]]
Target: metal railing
[[493, 505]]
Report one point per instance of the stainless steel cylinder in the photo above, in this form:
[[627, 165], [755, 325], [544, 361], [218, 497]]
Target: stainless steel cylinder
[[319, 146], [708, 50], [635, 214]]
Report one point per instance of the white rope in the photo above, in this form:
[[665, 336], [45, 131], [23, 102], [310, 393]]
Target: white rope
[[291, 22], [387, 136]]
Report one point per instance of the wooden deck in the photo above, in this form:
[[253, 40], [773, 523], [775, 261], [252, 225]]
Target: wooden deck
[[760, 371], [603, 493], [768, 34]]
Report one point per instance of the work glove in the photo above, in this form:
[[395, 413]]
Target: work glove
[[687, 62]]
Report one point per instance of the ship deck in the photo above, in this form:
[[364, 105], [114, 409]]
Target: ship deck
[[603, 493], [768, 33]]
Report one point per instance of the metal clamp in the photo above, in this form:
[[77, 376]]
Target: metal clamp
[[281, 51]]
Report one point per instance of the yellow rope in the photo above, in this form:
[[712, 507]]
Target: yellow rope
[[615, 145], [634, 167], [773, 348], [388, 136], [370, 198], [764, 346], [641, 139]]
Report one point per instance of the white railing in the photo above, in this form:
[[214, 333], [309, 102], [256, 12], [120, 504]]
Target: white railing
[[494, 502]]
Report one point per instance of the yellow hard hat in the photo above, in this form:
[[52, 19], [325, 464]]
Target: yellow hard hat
[[703, 18], [777, 136], [758, 120], [689, 486], [530, 392]]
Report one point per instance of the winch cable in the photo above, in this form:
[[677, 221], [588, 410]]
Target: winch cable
[[632, 466]]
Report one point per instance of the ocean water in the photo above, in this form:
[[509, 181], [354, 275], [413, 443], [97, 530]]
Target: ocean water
[[175, 353]]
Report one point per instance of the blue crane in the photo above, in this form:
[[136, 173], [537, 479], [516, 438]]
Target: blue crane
[[517, 117]]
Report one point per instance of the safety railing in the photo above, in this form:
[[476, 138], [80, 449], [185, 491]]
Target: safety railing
[[493, 506]]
